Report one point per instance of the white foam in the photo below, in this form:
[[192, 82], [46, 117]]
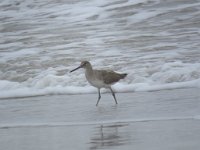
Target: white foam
[[17, 54], [13, 90], [99, 37], [161, 77]]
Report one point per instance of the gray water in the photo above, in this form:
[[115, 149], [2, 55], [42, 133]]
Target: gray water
[[156, 42]]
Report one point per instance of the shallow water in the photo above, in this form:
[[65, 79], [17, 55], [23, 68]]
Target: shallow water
[[81, 109], [139, 135], [156, 42], [167, 119]]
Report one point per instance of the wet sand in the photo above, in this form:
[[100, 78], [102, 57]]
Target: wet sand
[[167, 119]]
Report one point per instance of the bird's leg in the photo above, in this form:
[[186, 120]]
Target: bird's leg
[[113, 94], [98, 97]]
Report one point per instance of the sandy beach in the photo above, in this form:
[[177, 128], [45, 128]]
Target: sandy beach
[[167, 119]]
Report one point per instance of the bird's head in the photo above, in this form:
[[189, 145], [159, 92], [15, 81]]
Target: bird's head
[[84, 64]]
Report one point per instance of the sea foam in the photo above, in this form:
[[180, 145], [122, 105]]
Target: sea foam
[[169, 76], [155, 42]]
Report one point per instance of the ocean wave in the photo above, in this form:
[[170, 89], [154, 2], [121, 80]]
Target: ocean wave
[[156, 42], [149, 78]]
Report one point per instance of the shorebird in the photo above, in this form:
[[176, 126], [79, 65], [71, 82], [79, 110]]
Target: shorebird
[[100, 78]]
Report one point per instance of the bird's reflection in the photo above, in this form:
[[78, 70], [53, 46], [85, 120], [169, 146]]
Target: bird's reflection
[[109, 135]]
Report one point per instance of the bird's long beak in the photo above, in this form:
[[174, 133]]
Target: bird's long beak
[[76, 69]]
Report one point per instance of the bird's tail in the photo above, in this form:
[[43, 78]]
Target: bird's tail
[[123, 75]]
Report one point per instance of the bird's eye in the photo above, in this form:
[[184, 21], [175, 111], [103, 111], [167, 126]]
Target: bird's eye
[[83, 64]]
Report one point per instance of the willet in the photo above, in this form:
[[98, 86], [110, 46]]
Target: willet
[[100, 78]]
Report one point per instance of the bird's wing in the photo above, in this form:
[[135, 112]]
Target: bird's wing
[[108, 76]]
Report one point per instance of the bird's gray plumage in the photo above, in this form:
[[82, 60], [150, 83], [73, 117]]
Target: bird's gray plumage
[[100, 78]]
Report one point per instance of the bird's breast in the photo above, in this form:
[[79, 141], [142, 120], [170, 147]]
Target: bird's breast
[[95, 81]]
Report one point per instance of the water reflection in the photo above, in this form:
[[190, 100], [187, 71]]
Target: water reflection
[[106, 136]]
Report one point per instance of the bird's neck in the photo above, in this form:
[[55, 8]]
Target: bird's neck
[[89, 70]]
